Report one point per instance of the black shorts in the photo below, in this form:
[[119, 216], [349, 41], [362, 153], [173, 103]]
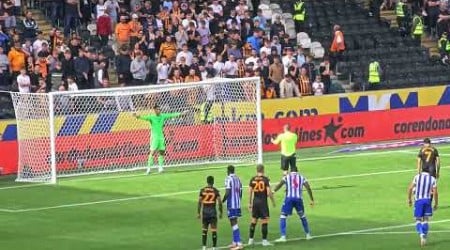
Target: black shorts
[[209, 221], [260, 210], [430, 169], [287, 161]]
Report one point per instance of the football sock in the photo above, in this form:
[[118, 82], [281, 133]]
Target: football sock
[[264, 230], [214, 238], [252, 230], [305, 224], [283, 225], [419, 227], [161, 160], [236, 234], [425, 228], [204, 236], [150, 161]]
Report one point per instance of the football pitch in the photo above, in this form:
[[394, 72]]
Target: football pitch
[[361, 203]]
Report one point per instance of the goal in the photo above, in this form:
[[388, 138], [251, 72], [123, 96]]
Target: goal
[[85, 132]]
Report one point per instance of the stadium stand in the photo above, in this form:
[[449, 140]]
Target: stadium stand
[[271, 28]]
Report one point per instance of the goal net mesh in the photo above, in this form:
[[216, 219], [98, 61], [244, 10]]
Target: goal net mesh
[[95, 131]]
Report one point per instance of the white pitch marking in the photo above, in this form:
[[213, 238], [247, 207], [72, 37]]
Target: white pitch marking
[[357, 232], [23, 186], [400, 232], [142, 197]]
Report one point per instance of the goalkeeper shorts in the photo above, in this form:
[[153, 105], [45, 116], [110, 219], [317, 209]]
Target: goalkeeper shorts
[[158, 144]]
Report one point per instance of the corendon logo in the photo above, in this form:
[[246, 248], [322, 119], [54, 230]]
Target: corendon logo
[[430, 124], [333, 131]]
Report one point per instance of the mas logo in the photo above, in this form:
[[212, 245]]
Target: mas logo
[[374, 102]]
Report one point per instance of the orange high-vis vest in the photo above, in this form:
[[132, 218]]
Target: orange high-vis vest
[[335, 46]]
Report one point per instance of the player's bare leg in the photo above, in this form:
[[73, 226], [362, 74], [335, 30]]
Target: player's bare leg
[[161, 155], [150, 161]]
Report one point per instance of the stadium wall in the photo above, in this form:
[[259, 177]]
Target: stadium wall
[[318, 120]]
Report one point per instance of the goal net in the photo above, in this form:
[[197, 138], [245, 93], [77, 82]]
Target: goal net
[[95, 131]]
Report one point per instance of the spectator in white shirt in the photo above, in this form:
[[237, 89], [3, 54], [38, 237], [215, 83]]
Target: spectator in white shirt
[[253, 58], [100, 8], [186, 54], [267, 48], [288, 60], [163, 70], [288, 88], [318, 86], [37, 45], [209, 55], [218, 66], [24, 82], [216, 7], [230, 68], [71, 84]]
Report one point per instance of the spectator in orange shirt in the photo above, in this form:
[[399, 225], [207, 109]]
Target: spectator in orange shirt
[[123, 31], [168, 49], [17, 59], [135, 27]]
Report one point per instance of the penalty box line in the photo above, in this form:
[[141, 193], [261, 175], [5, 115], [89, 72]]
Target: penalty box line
[[142, 197], [368, 231]]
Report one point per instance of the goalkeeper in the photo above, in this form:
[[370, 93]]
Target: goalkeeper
[[157, 134]]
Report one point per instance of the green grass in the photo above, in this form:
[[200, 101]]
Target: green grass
[[359, 191]]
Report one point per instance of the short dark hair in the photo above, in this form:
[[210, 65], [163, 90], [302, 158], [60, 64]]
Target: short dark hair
[[260, 168], [427, 140], [156, 106], [210, 180], [230, 169], [294, 169]]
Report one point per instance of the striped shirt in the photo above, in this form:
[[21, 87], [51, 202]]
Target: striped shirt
[[423, 185], [294, 185], [233, 183]]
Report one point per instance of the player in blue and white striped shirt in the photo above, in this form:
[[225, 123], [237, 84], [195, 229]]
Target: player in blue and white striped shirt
[[423, 187], [233, 196], [294, 183]]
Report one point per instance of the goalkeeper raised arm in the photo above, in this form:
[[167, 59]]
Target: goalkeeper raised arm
[[158, 143]]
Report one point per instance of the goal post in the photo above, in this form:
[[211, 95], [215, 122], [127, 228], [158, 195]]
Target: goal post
[[95, 131]]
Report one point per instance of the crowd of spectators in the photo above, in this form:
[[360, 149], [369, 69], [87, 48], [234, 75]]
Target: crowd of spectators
[[155, 42]]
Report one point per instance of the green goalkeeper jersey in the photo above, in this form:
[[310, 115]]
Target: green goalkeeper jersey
[[157, 122]]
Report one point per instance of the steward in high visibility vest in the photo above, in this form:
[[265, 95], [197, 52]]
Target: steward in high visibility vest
[[374, 75], [417, 29], [299, 15], [444, 45], [400, 12]]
